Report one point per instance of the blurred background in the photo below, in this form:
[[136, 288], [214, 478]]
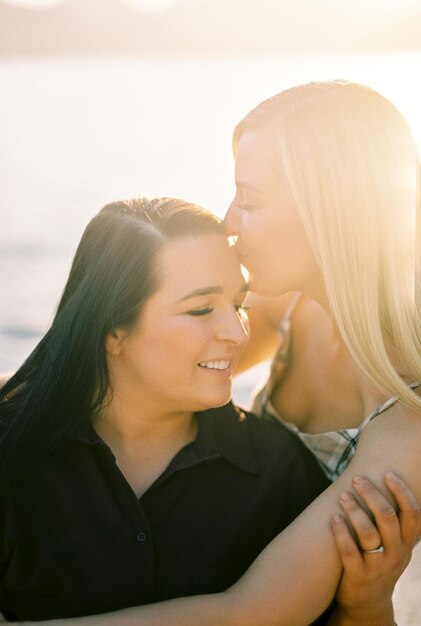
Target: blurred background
[[104, 99]]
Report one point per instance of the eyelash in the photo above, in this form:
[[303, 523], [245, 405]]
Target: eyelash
[[240, 308], [197, 312]]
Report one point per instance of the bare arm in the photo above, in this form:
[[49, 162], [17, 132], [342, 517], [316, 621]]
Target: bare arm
[[305, 550], [297, 575]]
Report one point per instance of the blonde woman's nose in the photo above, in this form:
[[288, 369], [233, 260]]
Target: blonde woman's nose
[[232, 219]]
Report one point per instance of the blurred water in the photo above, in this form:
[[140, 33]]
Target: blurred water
[[77, 134]]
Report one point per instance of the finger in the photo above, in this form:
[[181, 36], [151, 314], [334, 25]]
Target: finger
[[348, 550], [365, 529], [387, 521], [409, 508]]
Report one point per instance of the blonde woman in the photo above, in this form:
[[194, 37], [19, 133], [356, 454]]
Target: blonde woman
[[142, 479], [338, 171], [327, 197]]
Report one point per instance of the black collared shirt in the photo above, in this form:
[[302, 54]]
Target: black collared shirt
[[75, 539]]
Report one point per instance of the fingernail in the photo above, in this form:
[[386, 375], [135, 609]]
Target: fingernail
[[391, 476], [345, 497], [359, 480], [337, 519]]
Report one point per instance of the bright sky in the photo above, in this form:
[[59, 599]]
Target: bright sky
[[155, 6], [152, 6], [158, 5]]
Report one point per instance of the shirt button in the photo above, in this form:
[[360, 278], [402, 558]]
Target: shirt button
[[141, 537]]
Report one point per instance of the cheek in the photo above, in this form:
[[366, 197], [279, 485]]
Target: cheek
[[261, 225], [282, 231], [251, 230], [182, 340]]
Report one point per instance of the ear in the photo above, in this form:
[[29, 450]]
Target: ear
[[114, 342]]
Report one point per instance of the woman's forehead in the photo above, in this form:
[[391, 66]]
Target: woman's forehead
[[257, 156], [198, 261]]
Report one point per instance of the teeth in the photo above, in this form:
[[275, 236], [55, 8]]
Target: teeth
[[215, 365]]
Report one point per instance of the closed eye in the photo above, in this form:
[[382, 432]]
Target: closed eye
[[197, 312]]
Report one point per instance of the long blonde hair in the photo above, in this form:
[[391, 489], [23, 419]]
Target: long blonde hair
[[351, 166]]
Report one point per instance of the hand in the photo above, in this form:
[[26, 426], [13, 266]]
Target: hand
[[365, 590]]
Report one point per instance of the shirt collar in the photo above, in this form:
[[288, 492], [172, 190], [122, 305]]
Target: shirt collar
[[222, 433]]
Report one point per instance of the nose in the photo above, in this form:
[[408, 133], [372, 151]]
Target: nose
[[232, 219], [234, 329]]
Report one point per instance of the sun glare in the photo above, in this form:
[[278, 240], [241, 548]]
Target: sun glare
[[411, 112], [149, 6], [406, 96], [33, 4]]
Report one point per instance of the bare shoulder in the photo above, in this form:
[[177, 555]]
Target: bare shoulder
[[392, 441], [398, 423]]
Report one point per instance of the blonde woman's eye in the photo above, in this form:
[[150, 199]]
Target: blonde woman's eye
[[198, 312]]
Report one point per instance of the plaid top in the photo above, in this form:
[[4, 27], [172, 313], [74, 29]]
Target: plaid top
[[334, 449]]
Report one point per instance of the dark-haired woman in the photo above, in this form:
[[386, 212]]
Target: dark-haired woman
[[119, 486]]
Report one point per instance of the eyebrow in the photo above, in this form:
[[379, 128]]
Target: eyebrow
[[206, 291]]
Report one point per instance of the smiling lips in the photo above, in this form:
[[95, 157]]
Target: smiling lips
[[215, 365]]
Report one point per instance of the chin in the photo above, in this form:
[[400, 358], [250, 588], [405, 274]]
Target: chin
[[221, 402], [214, 403]]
